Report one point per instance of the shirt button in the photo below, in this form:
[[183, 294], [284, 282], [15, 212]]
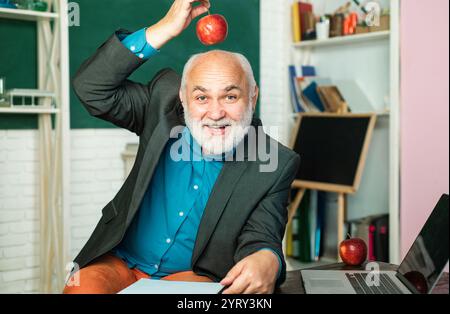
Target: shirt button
[[196, 187], [181, 214], [156, 266], [133, 48], [141, 55], [168, 240]]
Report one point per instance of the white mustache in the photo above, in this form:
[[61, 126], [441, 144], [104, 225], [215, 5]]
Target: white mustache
[[217, 144], [217, 124]]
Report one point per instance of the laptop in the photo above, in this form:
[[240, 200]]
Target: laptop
[[418, 273]]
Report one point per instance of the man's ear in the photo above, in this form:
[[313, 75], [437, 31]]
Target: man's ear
[[255, 98], [181, 95]]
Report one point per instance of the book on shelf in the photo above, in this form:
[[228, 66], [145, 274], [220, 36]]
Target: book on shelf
[[320, 224], [332, 99], [305, 84], [291, 234], [295, 253], [309, 238], [303, 21], [300, 77], [308, 71], [307, 21], [312, 95], [296, 97], [296, 32], [313, 223], [321, 94], [304, 234], [374, 230], [381, 238], [288, 249], [294, 234]]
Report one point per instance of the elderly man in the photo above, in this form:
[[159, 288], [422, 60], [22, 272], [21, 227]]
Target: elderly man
[[205, 218]]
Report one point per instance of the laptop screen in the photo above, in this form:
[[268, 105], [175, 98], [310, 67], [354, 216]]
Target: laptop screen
[[428, 255]]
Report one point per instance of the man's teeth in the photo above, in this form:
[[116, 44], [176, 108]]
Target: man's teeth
[[217, 126]]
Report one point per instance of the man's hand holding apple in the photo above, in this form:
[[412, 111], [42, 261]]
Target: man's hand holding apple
[[177, 19]]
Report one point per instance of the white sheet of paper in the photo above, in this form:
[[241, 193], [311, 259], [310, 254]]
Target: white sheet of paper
[[152, 286]]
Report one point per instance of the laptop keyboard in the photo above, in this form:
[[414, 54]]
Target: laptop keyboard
[[386, 286]]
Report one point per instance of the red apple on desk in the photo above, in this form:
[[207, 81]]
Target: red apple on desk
[[353, 251], [212, 29]]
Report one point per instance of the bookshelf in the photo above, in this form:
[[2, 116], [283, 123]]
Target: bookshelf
[[52, 111], [27, 15], [373, 60], [344, 40], [26, 110]]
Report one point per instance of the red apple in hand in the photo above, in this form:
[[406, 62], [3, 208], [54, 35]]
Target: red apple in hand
[[353, 251], [212, 29]]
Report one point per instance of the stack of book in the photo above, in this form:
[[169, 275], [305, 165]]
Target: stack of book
[[304, 237], [374, 230], [312, 93], [309, 238], [303, 86], [303, 21]]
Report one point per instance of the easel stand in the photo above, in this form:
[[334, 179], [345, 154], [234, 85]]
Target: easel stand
[[336, 185], [342, 208]]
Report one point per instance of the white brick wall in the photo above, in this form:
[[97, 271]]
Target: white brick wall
[[97, 174], [97, 168], [275, 38], [19, 225]]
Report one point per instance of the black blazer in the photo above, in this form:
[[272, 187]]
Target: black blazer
[[247, 209]]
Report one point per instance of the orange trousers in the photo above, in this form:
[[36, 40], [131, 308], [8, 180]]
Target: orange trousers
[[109, 274]]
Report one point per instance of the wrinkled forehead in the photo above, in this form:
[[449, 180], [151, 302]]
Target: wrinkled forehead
[[216, 73]]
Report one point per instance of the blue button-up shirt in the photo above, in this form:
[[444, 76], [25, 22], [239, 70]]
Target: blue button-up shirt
[[161, 238], [137, 43]]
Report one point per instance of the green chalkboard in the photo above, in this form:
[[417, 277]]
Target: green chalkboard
[[18, 64], [98, 20]]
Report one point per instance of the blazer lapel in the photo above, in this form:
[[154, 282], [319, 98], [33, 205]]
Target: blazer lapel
[[151, 158], [224, 186], [221, 193]]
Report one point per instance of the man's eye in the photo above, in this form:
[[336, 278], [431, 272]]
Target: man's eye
[[201, 98], [231, 97]]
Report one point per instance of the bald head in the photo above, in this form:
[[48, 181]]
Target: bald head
[[219, 63]]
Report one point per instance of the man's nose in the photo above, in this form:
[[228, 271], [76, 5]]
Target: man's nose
[[216, 110]]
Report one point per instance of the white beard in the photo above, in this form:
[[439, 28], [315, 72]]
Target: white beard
[[217, 144]]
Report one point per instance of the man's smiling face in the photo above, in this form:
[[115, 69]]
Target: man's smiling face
[[217, 99]]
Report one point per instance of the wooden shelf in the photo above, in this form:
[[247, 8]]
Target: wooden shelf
[[28, 110], [377, 113], [341, 40], [26, 15]]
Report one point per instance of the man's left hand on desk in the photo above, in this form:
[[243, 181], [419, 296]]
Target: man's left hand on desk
[[255, 274]]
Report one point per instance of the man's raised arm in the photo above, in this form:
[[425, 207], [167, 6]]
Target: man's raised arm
[[101, 83]]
